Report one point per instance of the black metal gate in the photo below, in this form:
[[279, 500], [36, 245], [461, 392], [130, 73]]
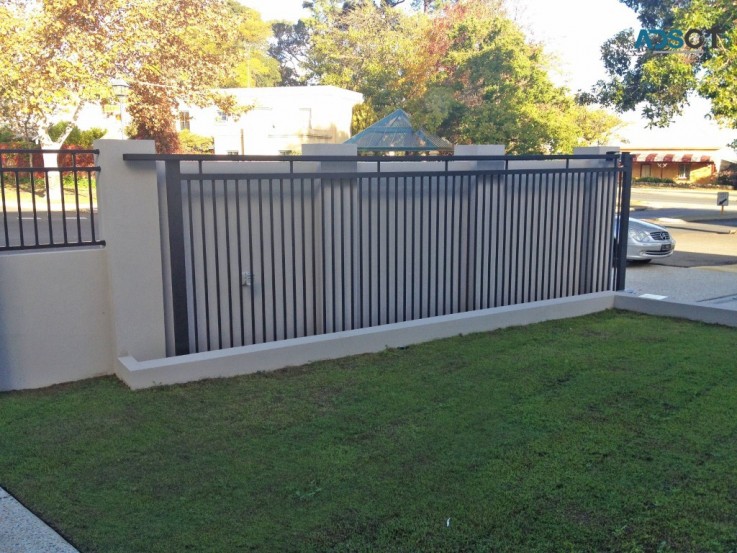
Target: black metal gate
[[276, 247]]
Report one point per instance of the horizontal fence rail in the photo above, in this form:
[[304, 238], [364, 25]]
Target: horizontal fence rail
[[262, 257], [49, 199]]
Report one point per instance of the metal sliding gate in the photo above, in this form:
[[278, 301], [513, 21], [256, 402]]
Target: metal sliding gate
[[259, 256]]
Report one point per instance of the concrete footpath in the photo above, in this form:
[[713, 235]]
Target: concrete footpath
[[23, 532]]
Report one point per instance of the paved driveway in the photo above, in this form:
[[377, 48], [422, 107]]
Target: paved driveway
[[711, 286], [703, 268]]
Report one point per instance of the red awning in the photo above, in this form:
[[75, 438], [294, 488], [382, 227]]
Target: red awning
[[666, 157]]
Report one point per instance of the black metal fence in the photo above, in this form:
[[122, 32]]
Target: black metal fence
[[265, 256], [48, 199]]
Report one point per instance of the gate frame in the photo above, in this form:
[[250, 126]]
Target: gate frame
[[173, 187]]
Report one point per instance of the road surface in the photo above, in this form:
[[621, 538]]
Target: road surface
[[680, 203], [703, 268], [12, 230]]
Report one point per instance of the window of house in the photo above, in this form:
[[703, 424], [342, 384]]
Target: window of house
[[646, 170], [684, 171], [221, 117], [184, 120]]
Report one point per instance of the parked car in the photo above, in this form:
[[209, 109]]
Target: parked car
[[646, 241]]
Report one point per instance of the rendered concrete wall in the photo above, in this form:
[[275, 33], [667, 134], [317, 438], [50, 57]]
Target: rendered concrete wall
[[54, 317]]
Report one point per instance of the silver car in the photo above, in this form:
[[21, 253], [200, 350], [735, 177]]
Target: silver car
[[646, 241]]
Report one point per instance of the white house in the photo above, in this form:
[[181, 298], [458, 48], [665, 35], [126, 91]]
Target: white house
[[279, 121]]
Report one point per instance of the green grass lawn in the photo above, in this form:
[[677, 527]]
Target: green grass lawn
[[612, 432]]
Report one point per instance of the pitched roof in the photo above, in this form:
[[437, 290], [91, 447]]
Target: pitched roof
[[394, 133]]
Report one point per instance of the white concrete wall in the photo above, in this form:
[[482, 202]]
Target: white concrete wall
[[67, 314], [54, 317]]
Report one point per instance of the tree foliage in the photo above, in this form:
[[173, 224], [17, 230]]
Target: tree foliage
[[256, 67], [289, 48], [56, 55], [659, 85], [192, 143], [76, 136], [462, 69], [45, 71]]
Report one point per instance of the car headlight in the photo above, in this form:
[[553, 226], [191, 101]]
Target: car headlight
[[639, 235]]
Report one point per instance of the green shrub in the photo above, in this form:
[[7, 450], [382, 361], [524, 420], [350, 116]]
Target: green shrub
[[655, 180], [191, 143], [728, 176], [77, 137]]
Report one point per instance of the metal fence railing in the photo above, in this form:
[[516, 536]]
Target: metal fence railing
[[262, 256], [48, 199]]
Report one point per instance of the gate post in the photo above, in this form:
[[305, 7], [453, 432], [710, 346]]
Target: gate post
[[624, 219], [173, 183]]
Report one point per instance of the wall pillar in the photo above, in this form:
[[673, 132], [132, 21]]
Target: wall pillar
[[129, 222]]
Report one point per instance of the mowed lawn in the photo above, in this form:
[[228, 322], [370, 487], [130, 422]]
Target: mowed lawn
[[612, 432]]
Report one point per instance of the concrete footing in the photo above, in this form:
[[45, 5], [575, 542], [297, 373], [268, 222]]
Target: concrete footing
[[298, 351]]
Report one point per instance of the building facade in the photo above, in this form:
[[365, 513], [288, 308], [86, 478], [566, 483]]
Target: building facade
[[278, 121], [685, 165]]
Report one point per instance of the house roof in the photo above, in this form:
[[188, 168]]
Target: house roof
[[394, 133]]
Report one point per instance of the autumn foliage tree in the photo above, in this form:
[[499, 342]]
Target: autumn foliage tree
[[57, 55], [462, 69]]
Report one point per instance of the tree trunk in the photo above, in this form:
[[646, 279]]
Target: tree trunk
[[54, 182], [53, 177]]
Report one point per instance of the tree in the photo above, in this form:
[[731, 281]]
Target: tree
[[57, 55], [659, 85], [376, 50], [45, 72], [76, 136], [256, 67], [172, 53], [463, 70], [289, 49]]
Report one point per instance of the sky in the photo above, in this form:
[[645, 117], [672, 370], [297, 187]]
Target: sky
[[572, 32]]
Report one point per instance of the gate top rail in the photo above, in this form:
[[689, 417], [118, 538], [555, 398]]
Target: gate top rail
[[611, 156], [615, 158], [32, 153]]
